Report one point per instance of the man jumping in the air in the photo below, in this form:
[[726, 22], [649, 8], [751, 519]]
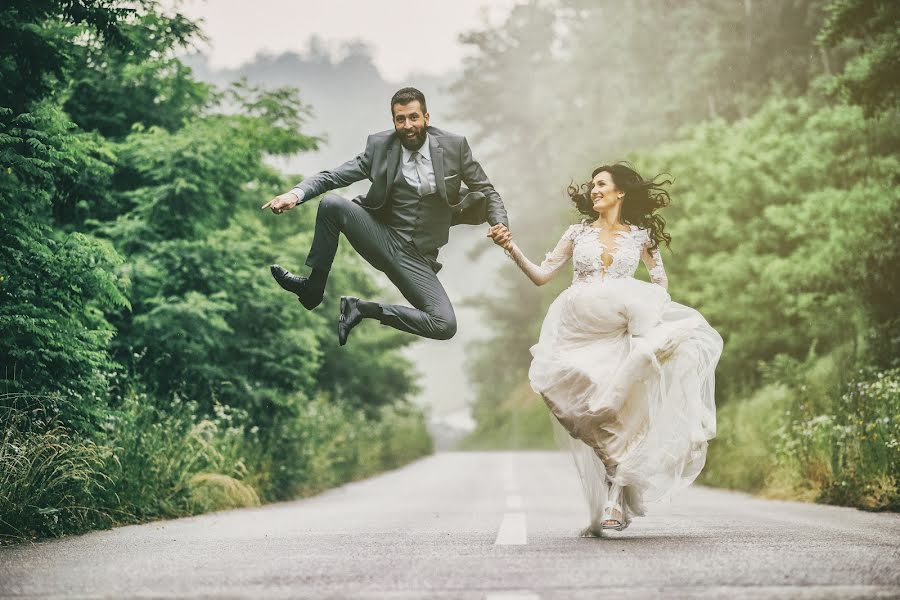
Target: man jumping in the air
[[398, 226]]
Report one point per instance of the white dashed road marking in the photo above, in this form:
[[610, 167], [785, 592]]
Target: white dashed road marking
[[513, 531]]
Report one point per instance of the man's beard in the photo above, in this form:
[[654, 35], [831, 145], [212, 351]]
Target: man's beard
[[414, 143]]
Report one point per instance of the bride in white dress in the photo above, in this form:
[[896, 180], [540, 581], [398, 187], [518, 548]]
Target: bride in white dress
[[628, 373]]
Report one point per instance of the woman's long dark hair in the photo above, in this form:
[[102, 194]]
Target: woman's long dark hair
[[643, 197]]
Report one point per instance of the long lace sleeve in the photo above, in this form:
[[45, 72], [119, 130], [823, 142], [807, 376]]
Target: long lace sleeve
[[553, 261], [653, 261]]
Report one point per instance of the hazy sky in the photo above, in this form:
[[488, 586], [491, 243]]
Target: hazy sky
[[238, 29]]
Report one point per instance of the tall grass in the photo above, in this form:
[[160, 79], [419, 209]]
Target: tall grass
[[151, 461], [51, 482]]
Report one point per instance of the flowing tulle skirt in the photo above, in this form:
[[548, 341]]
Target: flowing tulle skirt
[[629, 375]]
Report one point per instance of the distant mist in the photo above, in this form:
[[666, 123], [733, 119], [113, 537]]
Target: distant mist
[[347, 95]]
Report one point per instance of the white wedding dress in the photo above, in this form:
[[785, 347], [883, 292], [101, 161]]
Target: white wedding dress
[[628, 373]]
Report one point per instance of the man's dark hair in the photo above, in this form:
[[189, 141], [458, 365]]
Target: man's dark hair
[[407, 95]]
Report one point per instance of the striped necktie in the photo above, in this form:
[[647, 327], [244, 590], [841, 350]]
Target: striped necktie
[[424, 184]]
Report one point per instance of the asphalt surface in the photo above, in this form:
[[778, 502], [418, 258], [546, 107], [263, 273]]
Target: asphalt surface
[[496, 526]]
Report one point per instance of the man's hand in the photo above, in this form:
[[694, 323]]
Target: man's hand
[[501, 236], [281, 203]]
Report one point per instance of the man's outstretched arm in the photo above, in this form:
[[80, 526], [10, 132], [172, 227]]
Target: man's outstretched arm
[[355, 169]]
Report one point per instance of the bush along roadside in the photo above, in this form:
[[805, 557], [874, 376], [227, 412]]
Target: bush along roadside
[[151, 463], [815, 435]]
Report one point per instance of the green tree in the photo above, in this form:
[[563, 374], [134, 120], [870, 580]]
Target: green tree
[[150, 365], [55, 288], [868, 27]]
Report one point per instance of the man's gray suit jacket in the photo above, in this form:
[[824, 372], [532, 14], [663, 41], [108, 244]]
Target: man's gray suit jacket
[[453, 166]]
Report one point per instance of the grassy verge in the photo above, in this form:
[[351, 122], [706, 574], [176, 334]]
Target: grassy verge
[[818, 438], [151, 462]]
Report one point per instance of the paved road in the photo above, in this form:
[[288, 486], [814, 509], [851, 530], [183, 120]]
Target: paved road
[[496, 526]]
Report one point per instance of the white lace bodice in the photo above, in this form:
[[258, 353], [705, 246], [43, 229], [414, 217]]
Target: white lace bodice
[[582, 243]]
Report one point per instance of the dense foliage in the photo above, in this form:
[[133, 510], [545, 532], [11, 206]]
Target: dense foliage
[[150, 366]]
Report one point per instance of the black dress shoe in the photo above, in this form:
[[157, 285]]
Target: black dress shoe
[[296, 285], [350, 318]]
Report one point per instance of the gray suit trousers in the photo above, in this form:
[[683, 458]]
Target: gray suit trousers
[[431, 314]]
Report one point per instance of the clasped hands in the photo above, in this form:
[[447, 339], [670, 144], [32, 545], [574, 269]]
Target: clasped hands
[[501, 236]]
